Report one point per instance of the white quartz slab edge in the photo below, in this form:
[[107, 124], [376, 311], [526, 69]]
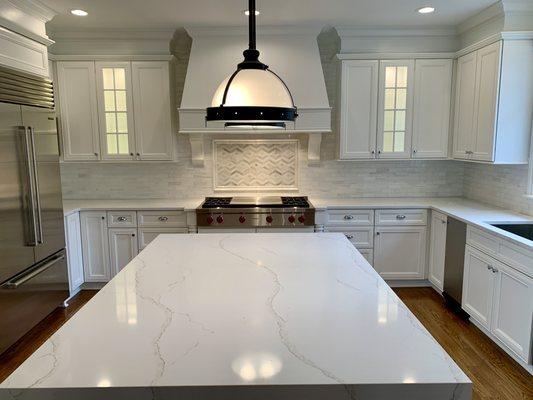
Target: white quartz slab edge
[[219, 316]]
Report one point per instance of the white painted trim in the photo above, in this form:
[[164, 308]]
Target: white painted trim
[[25, 32], [34, 8], [530, 175], [110, 57], [492, 12], [517, 35], [407, 31], [394, 56], [197, 31], [274, 132], [109, 34]]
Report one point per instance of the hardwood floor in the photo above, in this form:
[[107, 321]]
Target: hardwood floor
[[25, 346], [494, 374]]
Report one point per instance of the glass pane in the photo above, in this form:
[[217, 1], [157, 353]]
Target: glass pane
[[120, 78], [400, 121], [401, 99], [390, 76], [388, 141], [122, 123], [107, 74], [123, 144], [388, 124], [112, 144], [402, 77], [389, 99], [110, 123], [399, 141], [121, 100], [109, 100]]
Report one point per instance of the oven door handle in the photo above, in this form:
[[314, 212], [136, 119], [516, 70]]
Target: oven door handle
[[15, 283]]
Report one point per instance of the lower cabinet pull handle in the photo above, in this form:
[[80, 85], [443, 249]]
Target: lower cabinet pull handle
[[349, 237], [400, 217], [348, 217], [163, 219]]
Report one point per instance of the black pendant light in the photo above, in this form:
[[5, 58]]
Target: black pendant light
[[253, 95]]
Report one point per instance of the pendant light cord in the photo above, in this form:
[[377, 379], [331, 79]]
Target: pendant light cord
[[251, 19]]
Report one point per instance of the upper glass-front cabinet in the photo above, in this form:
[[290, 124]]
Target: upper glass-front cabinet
[[395, 108], [115, 110]]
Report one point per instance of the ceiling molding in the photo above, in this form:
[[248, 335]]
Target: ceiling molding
[[200, 31], [394, 56], [490, 13], [517, 6], [125, 34], [108, 57], [348, 31], [34, 8]]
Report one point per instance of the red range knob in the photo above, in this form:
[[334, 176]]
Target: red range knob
[[210, 219], [301, 219], [242, 219], [292, 219], [269, 219], [220, 219]]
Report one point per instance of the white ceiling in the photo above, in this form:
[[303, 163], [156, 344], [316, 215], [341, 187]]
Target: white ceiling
[[166, 14]]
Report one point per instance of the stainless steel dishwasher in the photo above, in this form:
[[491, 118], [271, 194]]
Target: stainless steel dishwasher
[[454, 263]]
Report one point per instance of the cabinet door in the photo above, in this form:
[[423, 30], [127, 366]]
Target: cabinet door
[[151, 104], [359, 100], [95, 246], [465, 90], [79, 114], [513, 309], [115, 110], [437, 249], [123, 247], [433, 85], [400, 252], [74, 251], [478, 286], [487, 87], [395, 108]]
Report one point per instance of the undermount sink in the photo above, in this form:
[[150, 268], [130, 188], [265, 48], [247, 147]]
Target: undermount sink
[[524, 230]]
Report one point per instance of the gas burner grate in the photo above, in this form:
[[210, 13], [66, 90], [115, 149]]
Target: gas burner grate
[[300, 202], [213, 202]]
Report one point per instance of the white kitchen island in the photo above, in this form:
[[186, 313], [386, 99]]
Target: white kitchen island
[[238, 316]]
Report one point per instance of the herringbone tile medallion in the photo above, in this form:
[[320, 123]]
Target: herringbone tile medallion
[[255, 165]]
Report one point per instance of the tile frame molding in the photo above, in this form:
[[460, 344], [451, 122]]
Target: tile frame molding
[[296, 147]]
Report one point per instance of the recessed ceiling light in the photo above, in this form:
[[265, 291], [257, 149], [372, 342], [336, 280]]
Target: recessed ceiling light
[[426, 10], [79, 13], [247, 12]]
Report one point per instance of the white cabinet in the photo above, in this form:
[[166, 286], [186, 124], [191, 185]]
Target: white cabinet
[[512, 310], [395, 108], [400, 252], [74, 252], [123, 247], [20, 52], [153, 127], [432, 99], [146, 235], [478, 286], [79, 114], [358, 117], [437, 249], [494, 103], [95, 246], [368, 254], [115, 110]]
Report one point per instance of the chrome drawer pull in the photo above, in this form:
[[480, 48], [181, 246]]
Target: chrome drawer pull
[[163, 219], [348, 217], [349, 237], [400, 217], [122, 219]]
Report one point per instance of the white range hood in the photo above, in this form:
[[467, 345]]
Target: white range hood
[[292, 53]]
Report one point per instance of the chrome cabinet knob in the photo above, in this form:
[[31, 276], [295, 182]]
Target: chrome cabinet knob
[[349, 237], [348, 217], [122, 219], [400, 217], [163, 219]]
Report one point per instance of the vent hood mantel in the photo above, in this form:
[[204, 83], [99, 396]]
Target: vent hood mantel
[[293, 51]]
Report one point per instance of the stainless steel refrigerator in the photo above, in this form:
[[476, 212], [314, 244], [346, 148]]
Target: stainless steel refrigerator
[[33, 269]]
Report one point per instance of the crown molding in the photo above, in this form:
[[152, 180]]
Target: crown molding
[[517, 6], [118, 34], [34, 8], [394, 56], [110, 57], [407, 31], [203, 31], [490, 13]]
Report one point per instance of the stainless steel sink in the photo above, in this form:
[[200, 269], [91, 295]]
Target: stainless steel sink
[[524, 230]]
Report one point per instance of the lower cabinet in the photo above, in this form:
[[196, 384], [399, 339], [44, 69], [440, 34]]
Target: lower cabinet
[[400, 252], [368, 254], [95, 246], [146, 235], [74, 251], [500, 299], [437, 249], [123, 247]]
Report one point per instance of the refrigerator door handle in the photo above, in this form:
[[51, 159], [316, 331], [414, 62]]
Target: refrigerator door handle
[[15, 283], [32, 215], [39, 230]]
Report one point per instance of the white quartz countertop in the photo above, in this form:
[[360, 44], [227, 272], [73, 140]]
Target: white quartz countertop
[[299, 316], [70, 206]]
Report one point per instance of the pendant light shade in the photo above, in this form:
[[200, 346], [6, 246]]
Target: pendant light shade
[[253, 95]]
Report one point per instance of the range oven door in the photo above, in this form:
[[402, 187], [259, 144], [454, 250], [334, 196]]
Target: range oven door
[[30, 296]]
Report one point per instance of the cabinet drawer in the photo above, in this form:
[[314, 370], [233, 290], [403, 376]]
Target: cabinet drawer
[[482, 240], [121, 219], [360, 237], [146, 235], [162, 219], [350, 217], [401, 217]]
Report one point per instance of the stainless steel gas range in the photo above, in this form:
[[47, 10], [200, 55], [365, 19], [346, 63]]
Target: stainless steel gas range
[[255, 212]]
